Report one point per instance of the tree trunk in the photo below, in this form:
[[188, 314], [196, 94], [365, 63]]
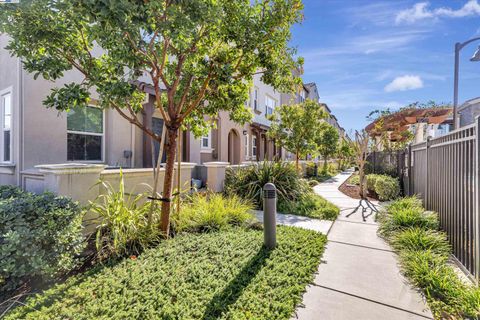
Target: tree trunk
[[363, 182], [172, 135]]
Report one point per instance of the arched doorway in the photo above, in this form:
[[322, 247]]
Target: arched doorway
[[233, 147]]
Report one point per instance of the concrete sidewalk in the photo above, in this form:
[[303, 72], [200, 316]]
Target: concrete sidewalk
[[359, 277]]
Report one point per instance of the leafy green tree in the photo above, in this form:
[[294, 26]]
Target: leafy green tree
[[327, 142], [199, 55], [296, 126], [345, 153]]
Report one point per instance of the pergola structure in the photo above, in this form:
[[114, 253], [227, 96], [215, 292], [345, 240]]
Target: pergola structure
[[398, 123]]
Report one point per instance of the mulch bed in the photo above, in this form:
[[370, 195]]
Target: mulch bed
[[353, 191]]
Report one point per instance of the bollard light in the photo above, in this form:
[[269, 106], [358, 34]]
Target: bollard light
[[269, 215]]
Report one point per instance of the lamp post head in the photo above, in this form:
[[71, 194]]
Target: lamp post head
[[476, 56]]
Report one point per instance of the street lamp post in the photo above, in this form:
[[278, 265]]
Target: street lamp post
[[476, 57]]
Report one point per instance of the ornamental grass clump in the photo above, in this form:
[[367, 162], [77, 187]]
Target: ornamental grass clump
[[294, 194], [123, 227], [418, 239], [211, 212], [424, 253]]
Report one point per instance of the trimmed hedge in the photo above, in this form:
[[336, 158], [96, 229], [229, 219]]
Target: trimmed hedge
[[216, 275], [40, 236]]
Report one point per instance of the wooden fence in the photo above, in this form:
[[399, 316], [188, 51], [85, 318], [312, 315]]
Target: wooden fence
[[444, 173]]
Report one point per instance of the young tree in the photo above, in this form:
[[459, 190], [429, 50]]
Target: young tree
[[344, 153], [327, 142], [296, 126], [361, 150], [199, 55]]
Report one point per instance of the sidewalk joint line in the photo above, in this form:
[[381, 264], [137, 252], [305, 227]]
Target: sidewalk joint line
[[367, 223], [359, 245], [374, 301]]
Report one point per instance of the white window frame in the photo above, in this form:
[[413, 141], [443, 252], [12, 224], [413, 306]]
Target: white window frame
[[207, 149], [267, 107], [247, 147], [3, 93], [255, 99], [102, 160], [254, 147]]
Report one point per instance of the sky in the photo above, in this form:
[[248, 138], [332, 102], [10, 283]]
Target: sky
[[368, 55]]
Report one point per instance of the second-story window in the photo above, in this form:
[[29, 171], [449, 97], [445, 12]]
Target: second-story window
[[85, 134], [270, 105], [255, 99]]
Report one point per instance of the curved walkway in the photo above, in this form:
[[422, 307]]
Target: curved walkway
[[359, 277]]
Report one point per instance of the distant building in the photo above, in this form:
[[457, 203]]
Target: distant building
[[468, 111]]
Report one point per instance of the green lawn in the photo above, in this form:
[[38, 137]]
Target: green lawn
[[218, 275]]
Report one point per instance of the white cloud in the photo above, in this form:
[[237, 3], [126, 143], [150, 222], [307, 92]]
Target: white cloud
[[421, 11], [403, 83]]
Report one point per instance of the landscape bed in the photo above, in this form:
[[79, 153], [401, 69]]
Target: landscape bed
[[217, 275]]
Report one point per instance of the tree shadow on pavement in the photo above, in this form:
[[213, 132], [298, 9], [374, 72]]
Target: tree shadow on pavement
[[366, 207]]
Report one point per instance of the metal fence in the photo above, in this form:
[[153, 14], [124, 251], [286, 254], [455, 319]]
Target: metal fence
[[444, 173]]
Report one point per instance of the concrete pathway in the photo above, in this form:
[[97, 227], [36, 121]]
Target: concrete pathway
[[359, 277], [322, 226]]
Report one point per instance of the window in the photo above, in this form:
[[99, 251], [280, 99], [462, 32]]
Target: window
[[254, 147], [206, 141], [301, 96], [85, 134], [270, 105], [246, 147], [6, 113], [255, 99]]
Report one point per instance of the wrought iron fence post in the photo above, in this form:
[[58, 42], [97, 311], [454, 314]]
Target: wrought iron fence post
[[477, 198], [409, 169], [427, 202]]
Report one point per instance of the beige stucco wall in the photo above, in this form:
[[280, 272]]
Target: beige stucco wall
[[40, 134]]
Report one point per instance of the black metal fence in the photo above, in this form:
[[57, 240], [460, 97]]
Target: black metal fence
[[444, 173]]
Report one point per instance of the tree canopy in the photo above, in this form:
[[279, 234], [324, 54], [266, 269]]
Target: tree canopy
[[297, 126], [198, 56], [327, 141]]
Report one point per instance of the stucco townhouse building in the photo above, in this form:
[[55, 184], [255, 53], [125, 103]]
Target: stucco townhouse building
[[33, 135]]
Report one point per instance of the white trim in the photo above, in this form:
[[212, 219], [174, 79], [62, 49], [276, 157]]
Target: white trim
[[267, 107], [5, 92], [247, 147], [207, 148], [254, 146], [102, 135]]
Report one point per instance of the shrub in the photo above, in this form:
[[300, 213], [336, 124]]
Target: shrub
[[40, 236], [387, 188], [405, 203], [248, 182], [8, 191], [124, 227], [313, 206], [371, 180], [418, 239], [407, 218], [211, 212], [354, 179]]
